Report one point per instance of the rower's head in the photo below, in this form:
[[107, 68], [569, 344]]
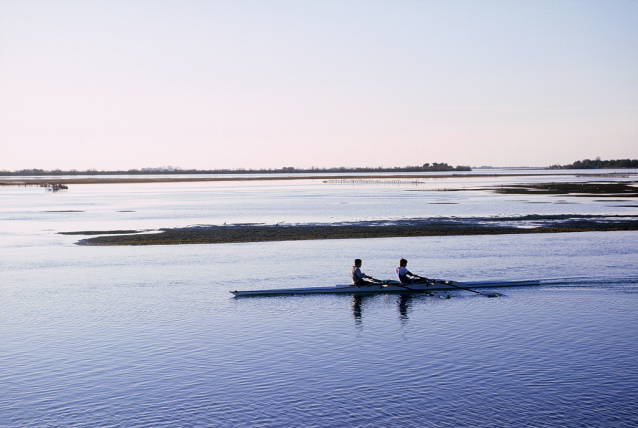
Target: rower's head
[[403, 262], [357, 262]]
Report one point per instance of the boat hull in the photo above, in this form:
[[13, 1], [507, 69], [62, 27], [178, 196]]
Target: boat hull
[[390, 287]]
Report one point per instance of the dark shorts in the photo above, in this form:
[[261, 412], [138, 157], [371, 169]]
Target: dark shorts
[[362, 282]]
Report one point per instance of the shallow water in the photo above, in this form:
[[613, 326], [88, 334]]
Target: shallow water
[[150, 336], [94, 207]]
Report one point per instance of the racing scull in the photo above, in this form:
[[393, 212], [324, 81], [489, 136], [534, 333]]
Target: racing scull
[[389, 287]]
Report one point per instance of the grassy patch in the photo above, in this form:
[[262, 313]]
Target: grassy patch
[[102, 232], [408, 228], [611, 189]]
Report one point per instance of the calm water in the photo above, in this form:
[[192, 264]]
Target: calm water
[[150, 336]]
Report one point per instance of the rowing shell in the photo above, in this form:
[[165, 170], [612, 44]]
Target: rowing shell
[[390, 287]]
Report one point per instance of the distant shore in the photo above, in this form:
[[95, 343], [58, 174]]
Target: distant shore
[[361, 230], [10, 181]]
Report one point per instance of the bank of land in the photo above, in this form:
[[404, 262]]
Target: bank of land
[[372, 229], [34, 181]]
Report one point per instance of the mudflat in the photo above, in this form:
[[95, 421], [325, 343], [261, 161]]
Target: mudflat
[[372, 229]]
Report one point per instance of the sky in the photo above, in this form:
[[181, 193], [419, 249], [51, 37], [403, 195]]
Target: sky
[[116, 85]]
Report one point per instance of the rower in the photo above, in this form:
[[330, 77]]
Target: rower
[[403, 273], [357, 276]]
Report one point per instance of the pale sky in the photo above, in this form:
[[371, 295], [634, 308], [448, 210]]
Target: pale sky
[[266, 84]]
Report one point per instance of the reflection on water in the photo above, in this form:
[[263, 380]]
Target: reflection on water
[[355, 304], [403, 305]]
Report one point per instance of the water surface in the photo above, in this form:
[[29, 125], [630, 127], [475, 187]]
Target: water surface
[[150, 336]]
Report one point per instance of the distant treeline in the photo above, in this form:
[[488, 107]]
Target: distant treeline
[[599, 164], [150, 171]]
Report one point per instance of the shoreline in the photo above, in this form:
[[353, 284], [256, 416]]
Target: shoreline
[[363, 230], [128, 180]]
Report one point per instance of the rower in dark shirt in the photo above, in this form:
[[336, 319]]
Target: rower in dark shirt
[[358, 276]]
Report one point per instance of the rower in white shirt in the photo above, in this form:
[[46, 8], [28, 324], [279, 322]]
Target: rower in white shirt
[[405, 276]]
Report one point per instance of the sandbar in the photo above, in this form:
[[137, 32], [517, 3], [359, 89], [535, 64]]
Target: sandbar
[[372, 229]]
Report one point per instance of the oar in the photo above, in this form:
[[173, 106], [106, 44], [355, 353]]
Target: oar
[[403, 286], [377, 280], [456, 286]]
